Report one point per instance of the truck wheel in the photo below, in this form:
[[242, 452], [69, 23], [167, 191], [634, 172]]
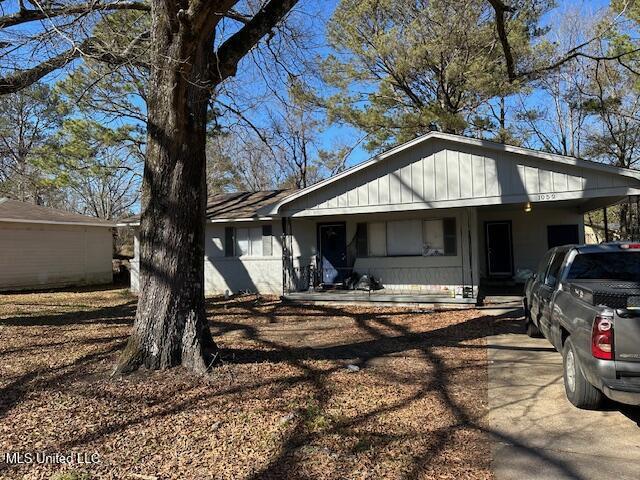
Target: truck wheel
[[578, 389], [529, 327]]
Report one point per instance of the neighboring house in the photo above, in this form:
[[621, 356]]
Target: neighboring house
[[433, 216], [42, 247]]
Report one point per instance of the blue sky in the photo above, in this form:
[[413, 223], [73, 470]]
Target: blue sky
[[317, 13], [359, 154]]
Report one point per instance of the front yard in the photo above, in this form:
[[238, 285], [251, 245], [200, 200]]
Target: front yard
[[284, 404]]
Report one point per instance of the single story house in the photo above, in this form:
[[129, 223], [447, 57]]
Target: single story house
[[44, 248], [434, 217]]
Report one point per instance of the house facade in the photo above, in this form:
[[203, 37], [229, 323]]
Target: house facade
[[435, 216], [47, 248]]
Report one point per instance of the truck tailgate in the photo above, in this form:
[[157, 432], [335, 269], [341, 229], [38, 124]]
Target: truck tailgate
[[627, 335]]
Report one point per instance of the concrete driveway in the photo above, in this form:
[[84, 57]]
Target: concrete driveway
[[538, 433]]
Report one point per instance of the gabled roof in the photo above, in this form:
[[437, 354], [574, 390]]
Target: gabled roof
[[21, 212], [561, 159], [237, 206]]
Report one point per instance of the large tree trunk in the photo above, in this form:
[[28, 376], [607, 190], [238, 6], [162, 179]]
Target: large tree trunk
[[171, 326]]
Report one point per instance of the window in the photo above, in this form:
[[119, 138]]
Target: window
[[404, 237], [267, 242], [433, 237], [624, 266], [542, 267], [377, 239], [242, 242], [551, 279], [248, 242], [408, 238], [558, 235], [450, 243], [255, 242]]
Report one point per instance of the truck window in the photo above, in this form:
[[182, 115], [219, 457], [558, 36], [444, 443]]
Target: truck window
[[553, 273], [542, 266], [606, 266]]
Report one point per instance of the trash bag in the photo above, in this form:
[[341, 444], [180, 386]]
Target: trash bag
[[351, 281], [368, 283]]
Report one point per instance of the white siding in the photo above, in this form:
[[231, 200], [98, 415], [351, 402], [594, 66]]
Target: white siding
[[442, 174], [249, 273], [254, 273], [528, 230], [41, 256]]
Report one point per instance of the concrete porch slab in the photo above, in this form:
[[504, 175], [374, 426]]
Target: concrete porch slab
[[375, 297]]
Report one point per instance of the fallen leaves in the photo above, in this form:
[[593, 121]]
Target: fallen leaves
[[286, 403]]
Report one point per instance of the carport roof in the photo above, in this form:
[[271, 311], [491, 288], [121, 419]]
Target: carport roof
[[15, 211]]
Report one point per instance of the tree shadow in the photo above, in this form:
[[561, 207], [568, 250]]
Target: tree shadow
[[383, 335], [389, 338], [116, 315]]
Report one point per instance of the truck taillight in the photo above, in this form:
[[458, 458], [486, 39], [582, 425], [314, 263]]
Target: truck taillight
[[602, 337]]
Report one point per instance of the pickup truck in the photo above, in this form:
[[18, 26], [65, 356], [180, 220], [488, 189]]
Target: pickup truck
[[585, 299]]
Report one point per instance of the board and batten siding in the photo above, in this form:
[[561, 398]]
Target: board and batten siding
[[442, 174], [43, 256]]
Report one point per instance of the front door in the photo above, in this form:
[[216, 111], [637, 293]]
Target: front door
[[332, 246], [499, 249]]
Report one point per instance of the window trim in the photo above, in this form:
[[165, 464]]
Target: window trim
[[422, 222], [232, 250]]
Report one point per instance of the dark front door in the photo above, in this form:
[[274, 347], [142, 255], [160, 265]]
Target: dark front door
[[332, 245], [499, 249], [558, 235]]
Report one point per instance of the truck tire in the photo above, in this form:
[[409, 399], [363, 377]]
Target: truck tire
[[530, 327], [578, 389]]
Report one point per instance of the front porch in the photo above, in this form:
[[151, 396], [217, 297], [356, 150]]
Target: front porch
[[466, 256]]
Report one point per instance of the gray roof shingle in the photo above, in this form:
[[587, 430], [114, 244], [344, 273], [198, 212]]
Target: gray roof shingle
[[236, 205], [15, 211]]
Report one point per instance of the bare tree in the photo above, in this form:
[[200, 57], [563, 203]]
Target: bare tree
[[192, 47], [555, 119], [518, 70], [28, 122]]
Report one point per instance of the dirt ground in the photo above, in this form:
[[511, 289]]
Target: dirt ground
[[284, 404]]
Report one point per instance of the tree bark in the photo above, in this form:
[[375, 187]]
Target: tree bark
[[171, 327]]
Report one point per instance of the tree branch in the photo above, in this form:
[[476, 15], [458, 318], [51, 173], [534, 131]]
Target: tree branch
[[240, 43], [24, 78], [501, 9], [31, 15]]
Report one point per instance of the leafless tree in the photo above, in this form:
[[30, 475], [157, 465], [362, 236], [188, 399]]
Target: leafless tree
[[191, 48], [28, 121]]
